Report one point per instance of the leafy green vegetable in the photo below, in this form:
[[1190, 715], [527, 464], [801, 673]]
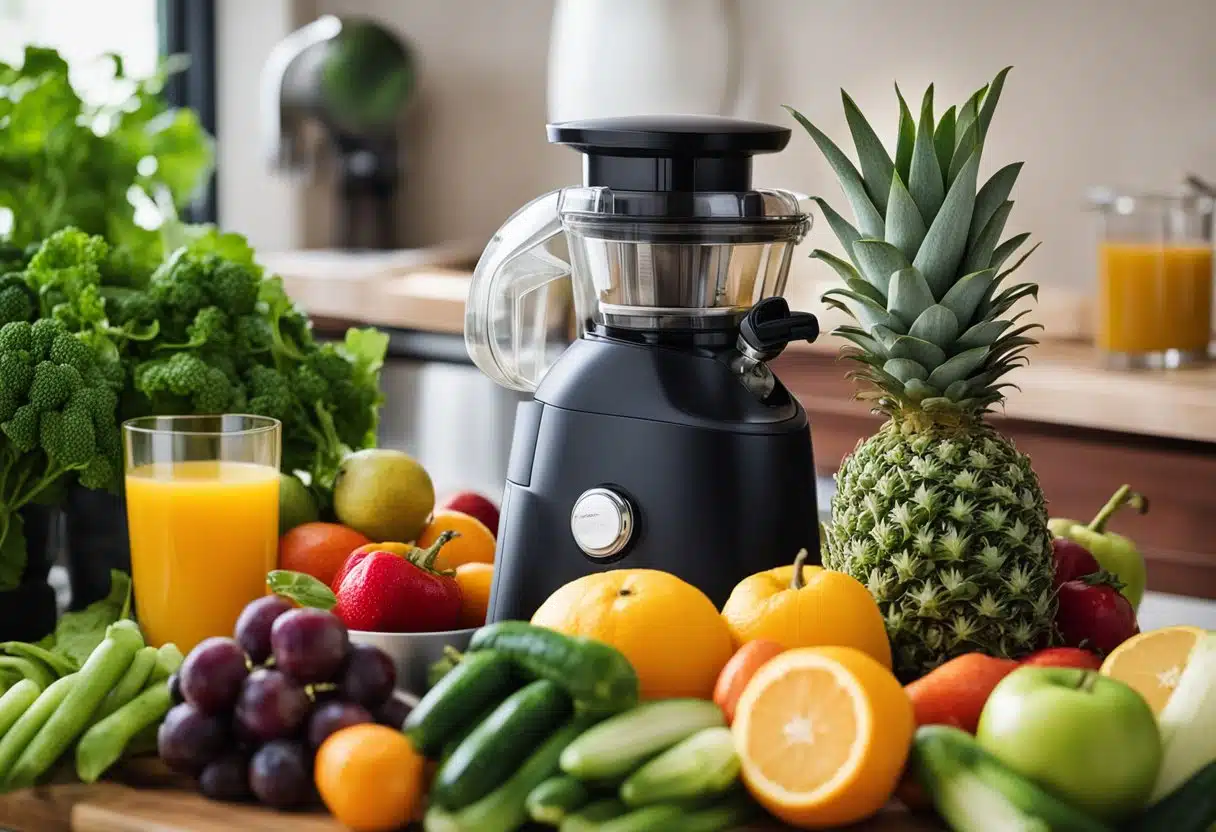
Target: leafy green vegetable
[[304, 589], [78, 633], [67, 162]]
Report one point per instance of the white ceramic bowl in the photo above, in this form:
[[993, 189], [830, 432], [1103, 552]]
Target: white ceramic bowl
[[414, 653]]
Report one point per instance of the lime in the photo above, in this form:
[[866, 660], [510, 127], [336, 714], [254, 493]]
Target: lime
[[296, 504]]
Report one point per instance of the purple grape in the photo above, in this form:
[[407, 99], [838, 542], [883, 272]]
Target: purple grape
[[175, 689], [279, 774], [332, 717], [392, 713], [271, 705], [226, 778], [309, 645], [253, 625], [369, 676], [189, 739], [211, 676]]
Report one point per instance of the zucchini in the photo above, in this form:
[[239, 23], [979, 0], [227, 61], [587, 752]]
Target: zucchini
[[597, 676], [552, 800], [730, 812], [504, 809], [646, 819], [593, 816], [620, 744], [702, 765], [1189, 808], [473, 685], [496, 747], [975, 792]]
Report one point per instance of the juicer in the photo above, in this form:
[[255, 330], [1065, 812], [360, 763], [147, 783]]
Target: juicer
[[658, 437]]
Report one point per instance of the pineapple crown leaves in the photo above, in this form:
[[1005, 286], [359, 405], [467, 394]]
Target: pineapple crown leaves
[[926, 268]]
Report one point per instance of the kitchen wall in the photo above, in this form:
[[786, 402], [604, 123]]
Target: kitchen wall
[[1103, 91]]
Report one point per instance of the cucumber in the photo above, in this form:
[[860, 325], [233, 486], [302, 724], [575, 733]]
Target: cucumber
[[730, 812], [975, 792], [598, 677], [1189, 808], [593, 816], [473, 685], [647, 819], [702, 765], [496, 747], [552, 800], [461, 735], [504, 809], [620, 744]]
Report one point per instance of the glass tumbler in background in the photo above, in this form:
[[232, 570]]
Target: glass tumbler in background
[[203, 513], [1154, 280]]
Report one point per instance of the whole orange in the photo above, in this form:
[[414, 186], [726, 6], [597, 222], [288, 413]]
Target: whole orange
[[474, 543], [668, 629], [475, 580], [370, 777], [318, 549]]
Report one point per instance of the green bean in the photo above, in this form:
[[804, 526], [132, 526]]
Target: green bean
[[105, 666], [142, 743], [103, 744], [29, 669], [26, 727], [59, 665], [168, 660], [16, 701], [130, 685]]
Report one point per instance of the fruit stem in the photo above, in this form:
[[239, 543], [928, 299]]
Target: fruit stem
[[796, 582], [1123, 497], [1087, 681], [425, 558]]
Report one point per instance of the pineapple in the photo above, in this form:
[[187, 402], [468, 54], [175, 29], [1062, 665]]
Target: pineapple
[[937, 513]]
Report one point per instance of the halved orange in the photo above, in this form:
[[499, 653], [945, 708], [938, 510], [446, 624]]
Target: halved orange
[[1151, 663], [823, 734]]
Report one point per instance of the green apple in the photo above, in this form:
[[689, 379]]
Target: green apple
[[1089, 739]]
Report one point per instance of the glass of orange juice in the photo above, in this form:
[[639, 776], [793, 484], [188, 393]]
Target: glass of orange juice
[[203, 514], [1155, 280]]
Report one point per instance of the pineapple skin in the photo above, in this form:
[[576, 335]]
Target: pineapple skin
[[946, 525]]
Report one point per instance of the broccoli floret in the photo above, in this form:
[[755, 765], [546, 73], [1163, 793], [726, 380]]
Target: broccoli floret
[[22, 428], [309, 384], [44, 332], [253, 335], [99, 473], [124, 306], [16, 337], [234, 288], [70, 350], [209, 328], [196, 386], [269, 393], [69, 248], [66, 437], [51, 387], [9, 402], [16, 373], [15, 305]]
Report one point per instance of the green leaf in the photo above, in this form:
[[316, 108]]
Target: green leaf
[[1002, 252], [945, 242], [1008, 297], [907, 138], [905, 229], [842, 268], [304, 589], [1019, 262], [968, 146], [905, 369], [887, 337], [867, 312], [908, 295], [922, 352], [965, 296], [982, 334], [862, 339], [917, 391], [943, 140], [879, 260], [957, 367], [979, 253], [956, 391], [937, 325], [13, 553], [991, 196], [876, 164], [990, 100], [869, 220], [842, 228], [925, 179], [77, 634], [967, 114], [867, 290]]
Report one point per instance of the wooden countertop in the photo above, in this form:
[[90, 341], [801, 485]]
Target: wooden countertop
[[1063, 385]]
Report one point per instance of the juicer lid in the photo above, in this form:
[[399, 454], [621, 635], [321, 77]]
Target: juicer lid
[[675, 169]]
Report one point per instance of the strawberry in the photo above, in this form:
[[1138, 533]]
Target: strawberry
[[1064, 657], [1072, 560], [1094, 614], [387, 593]]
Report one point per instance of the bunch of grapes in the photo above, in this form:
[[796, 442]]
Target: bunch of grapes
[[252, 710]]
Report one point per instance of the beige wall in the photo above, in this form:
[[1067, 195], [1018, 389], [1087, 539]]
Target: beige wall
[[1103, 91]]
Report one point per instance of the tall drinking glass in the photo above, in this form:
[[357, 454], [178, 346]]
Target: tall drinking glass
[[1155, 280], [203, 512]]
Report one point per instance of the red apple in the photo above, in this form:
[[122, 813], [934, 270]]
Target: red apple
[[475, 505], [1064, 657]]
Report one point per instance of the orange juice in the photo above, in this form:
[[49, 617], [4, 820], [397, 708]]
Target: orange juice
[[1154, 297], [203, 536]]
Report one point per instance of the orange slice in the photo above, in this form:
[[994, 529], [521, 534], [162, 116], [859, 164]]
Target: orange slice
[[823, 734], [1152, 662]]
